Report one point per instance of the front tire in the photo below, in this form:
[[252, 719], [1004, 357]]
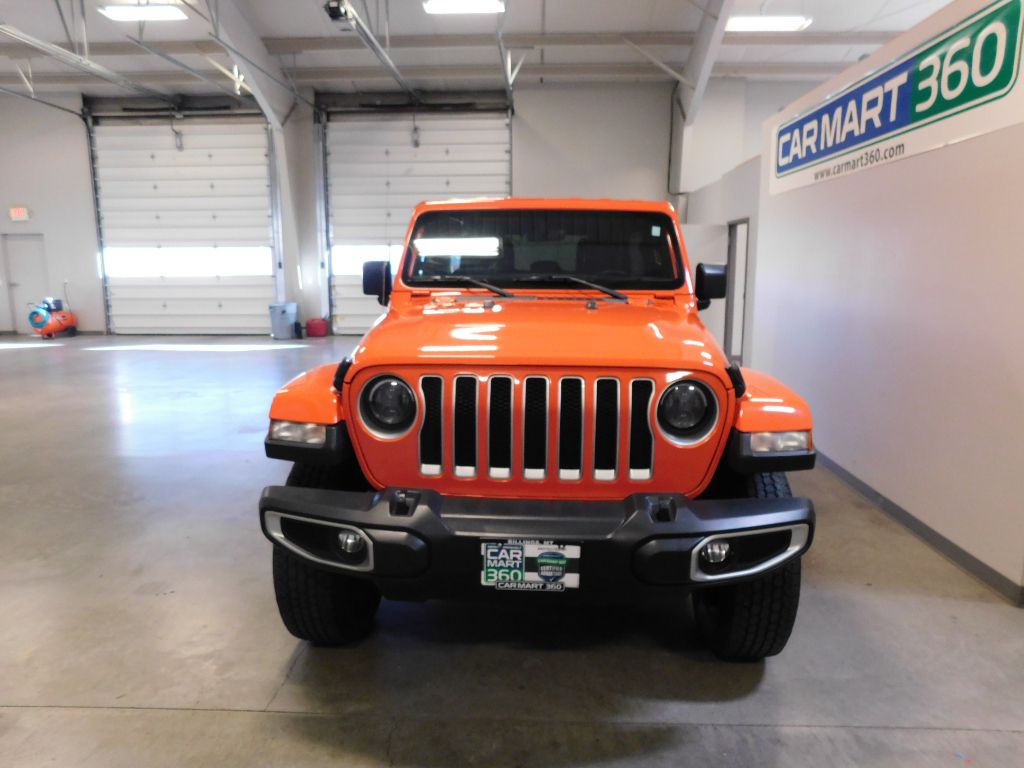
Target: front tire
[[322, 607], [753, 619], [319, 605]]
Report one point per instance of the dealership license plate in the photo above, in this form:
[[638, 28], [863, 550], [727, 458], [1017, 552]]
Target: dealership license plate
[[530, 565]]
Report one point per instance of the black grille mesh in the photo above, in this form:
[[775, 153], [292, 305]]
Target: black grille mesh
[[641, 442], [606, 424], [430, 432], [499, 431], [535, 424], [465, 421], [570, 425]]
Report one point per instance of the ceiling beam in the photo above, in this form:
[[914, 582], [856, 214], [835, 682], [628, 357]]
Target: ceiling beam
[[260, 70], [81, 63], [368, 39], [703, 53], [279, 46], [641, 71]]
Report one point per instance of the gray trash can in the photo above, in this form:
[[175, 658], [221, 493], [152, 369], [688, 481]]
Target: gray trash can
[[282, 320]]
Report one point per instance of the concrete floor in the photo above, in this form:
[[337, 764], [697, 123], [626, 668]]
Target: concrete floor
[[138, 625]]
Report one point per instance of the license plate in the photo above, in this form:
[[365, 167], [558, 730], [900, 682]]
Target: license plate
[[530, 565]]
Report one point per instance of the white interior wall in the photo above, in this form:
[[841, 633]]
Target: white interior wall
[[734, 197], [727, 131], [709, 244], [44, 165], [892, 300], [591, 140]]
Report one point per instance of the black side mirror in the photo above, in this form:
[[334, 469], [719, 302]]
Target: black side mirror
[[377, 280], [711, 283]]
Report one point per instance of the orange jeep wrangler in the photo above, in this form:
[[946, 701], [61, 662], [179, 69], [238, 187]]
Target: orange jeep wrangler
[[540, 410]]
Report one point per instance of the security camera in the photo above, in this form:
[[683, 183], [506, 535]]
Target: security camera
[[336, 10]]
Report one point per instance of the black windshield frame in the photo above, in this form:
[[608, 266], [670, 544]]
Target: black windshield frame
[[497, 222]]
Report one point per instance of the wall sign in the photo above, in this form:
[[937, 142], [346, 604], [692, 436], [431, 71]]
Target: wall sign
[[19, 213], [924, 100]]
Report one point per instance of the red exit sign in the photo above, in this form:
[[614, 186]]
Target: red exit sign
[[19, 213]]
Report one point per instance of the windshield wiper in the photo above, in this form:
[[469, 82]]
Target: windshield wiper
[[467, 280], [572, 279]]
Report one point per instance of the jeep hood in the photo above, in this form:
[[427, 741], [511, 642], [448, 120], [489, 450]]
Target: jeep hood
[[542, 332]]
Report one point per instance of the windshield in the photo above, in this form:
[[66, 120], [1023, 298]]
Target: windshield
[[617, 249]]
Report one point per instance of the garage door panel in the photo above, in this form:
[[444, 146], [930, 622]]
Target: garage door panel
[[192, 201], [431, 186], [250, 203], [170, 157], [345, 155], [182, 306], [208, 188], [401, 137], [199, 219], [189, 325], [443, 169], [353, 313], [152, 138], [401, 205], [163, 173]]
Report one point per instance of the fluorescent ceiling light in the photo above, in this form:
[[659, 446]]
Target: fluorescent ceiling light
[[767, 23], [150, 12], [464, 6]]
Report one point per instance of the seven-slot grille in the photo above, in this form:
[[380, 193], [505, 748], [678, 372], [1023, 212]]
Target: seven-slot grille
[[501, 426]]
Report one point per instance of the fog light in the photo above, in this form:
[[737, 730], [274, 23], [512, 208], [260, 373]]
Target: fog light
[[351, 543], [715, 552]]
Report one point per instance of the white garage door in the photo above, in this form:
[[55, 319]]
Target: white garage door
[[380, 167], [185, 210]]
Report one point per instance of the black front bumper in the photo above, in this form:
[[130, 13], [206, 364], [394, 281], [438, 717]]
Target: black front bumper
[[420, 544]]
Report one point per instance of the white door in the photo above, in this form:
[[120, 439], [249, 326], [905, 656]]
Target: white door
[[736, 300], [185, 208], [379, 167], [25, 275]]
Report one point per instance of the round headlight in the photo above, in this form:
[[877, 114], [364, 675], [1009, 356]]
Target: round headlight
[[388, 404], [686, 409]]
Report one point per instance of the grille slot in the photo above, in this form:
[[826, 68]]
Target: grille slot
[[499, 428], [464, 426], [641, 441], [535, 428], [431, 448], [570, 429], [606, 429]]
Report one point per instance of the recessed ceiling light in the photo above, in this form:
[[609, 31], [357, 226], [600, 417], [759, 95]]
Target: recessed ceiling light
[[149, 12], [767, 23], [464, 6]]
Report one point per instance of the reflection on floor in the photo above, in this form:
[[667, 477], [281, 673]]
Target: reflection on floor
[[139, 625]]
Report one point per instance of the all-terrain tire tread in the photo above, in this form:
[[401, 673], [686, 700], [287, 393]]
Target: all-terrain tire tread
[[318, 605], [324, 608], [755, 618]]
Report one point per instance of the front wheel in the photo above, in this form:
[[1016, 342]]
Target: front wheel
[[753, 619], [322, 606]]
